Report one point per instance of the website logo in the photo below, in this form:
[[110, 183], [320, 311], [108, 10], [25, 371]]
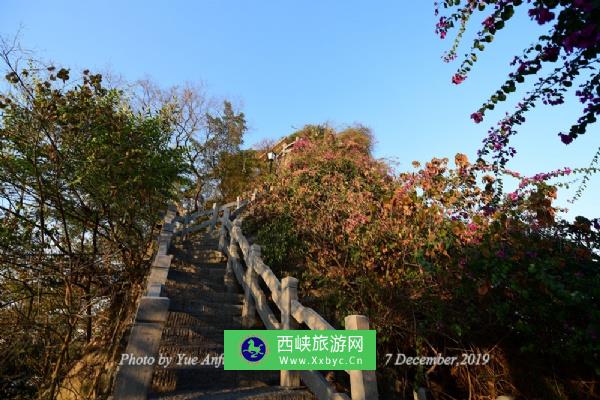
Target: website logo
[[300, 350], [253, 349]]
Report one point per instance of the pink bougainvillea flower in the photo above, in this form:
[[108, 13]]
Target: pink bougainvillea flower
[[489, 22], [458, 79], [441, 27], [472, 227], [477, 117], [541, 15], [301, 144], [582, 39]]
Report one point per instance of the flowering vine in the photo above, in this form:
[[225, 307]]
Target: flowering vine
[[572, 45]]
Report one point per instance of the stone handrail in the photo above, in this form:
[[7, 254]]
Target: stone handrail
[[363, 384], [132, 382]]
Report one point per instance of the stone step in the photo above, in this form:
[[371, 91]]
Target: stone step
[[245, 393], [198, 243], [222, 265], [199, 350], [210, 279], [208, 245], [208, 331], [217, 272], [197, 253], [181, 272], [201, 260], [186, 334], [203, 308], [203, 294], [191, 248], [196, 271], [205, 253], [181, 319], [202, 236], [188, 248], [194, 241], [204, 239], [203, 290], [168, 379], [220, 321], [192, 339], [191, 280], [192, 276], [211, 266]]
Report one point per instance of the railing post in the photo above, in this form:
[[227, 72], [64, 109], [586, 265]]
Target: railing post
[[223, 233], [250, 278], [289, 292], [253, 195], [363, 384], [233, 258], [213, 219], [238, 201]]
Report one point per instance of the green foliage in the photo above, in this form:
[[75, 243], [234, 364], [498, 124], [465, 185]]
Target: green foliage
[[359, 137], [237, 172], [224, 134], [83, 181], [283, 241]]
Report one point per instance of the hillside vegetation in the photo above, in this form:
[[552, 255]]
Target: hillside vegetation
[[441, 263], [438, 257], [86, 170]]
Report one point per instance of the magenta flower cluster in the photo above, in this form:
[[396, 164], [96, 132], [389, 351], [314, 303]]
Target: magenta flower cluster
[[477, 117], [582, 39], [541, 14], [537, 178], [544, 176], [441, 28], [489, 22], [301, 144], [458, 79], [584, 95]]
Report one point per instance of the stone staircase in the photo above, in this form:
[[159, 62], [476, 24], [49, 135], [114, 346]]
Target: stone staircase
[[201, 307]]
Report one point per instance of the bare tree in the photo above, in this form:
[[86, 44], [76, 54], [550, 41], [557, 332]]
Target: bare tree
[[204, 129]]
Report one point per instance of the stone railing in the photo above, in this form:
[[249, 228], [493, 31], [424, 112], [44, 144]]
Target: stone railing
[[133, 381], [134, 374], [284, 293]]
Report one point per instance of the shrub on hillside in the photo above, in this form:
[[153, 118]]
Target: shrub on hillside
[[435, 260]]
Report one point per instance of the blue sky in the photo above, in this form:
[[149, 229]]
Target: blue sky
[[289, 63]]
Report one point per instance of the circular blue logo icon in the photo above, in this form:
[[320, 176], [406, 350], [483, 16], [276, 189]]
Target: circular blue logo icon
[[253, 349]]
